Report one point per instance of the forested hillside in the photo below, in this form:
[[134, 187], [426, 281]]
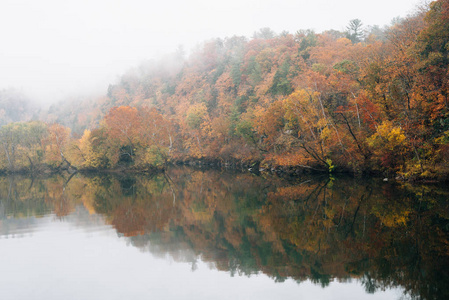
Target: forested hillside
[[371, 100]]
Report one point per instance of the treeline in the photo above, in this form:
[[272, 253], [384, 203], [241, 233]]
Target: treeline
[[350, 101], [131, 138]]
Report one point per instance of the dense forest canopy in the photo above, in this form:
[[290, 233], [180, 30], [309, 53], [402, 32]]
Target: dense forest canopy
[[366, 100]]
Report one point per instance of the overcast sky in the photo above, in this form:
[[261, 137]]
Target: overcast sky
[[52, 48]]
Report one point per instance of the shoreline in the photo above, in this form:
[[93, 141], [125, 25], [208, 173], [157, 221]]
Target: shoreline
[[255, 167]]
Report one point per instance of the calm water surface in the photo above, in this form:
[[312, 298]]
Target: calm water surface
[[195, 234]]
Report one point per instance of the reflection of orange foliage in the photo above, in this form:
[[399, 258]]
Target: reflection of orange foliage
[[59, 199], [130, 220], [334, 228]]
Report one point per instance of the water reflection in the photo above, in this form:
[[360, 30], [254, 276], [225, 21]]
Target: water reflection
[[323, 230]]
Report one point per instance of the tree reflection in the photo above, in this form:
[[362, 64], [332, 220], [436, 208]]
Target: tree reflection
[[383, 234]]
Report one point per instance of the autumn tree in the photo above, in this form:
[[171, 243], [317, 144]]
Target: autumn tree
[[316, 131], [122, 124], [56, 145], [85, 154], [156, 137], [433, 51]]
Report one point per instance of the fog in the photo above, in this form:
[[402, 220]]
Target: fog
[[53, 49]]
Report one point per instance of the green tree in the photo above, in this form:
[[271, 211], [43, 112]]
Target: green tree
[[21, 144], [354, 31]]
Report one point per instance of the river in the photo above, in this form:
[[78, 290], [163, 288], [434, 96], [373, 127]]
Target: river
[[209, 234]]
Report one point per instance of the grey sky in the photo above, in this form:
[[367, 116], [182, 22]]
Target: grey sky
[[53, 48]]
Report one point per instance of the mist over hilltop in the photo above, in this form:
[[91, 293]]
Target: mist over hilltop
[[53, 50]]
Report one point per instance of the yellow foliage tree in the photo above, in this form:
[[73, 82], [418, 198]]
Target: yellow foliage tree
[[389, 145]]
